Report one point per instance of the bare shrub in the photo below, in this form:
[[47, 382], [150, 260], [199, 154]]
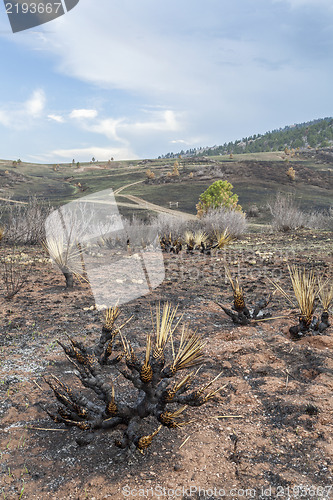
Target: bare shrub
[[319, 220], [24, 223], [138, 232], [176, 226], [286, 213], [288, 216], [253, 211], [223, 219], [14, 272]]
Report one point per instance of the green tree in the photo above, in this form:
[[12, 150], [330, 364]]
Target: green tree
[[219, 194]]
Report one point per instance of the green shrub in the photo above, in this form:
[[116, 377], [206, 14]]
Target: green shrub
[[218, 195]]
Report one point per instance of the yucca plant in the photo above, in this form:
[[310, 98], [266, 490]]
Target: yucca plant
[[200, 238], [188, 237], [67, 257], [169, 244], [223, 238], [307, 290], [161, 396], [325, 294], [240, 314]]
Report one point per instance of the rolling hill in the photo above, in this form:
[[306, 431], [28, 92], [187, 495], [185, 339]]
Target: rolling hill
[[256, 178], [313, 134]]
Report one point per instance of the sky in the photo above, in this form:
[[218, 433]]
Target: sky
[[140, 78]]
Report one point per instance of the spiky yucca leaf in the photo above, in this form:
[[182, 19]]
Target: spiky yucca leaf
[[239, 301], [282, 291], [146, 372], [130, 356], [189, 238], [190, 351], [305, 290], [163, 326], [168, 418], [223, 239], [211, 394], [325, 294], [184, 384], [110, 316], [186, 381], [233, 285], [199, 237], [111, 407], [65, 256]]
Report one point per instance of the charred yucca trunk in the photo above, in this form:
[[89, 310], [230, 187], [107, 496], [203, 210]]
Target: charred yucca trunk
[[69, 278], [152, 378]]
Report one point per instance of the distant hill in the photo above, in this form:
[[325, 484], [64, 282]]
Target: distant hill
[[313, 134]]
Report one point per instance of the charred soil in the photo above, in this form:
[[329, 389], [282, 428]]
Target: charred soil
[[270, 427]]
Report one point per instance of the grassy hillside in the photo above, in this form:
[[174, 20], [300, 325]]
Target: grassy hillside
[[256, 177]]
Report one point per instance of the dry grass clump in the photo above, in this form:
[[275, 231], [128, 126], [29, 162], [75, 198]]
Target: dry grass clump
[[150, 174], [161, 399]]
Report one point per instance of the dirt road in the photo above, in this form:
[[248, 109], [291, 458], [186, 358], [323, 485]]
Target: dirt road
[[143, 204]]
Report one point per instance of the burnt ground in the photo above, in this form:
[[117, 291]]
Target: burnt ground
[[275, 413]]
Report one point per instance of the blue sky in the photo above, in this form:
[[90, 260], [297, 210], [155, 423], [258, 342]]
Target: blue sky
[[139, 78]]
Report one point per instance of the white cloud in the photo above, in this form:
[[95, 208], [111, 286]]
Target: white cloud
[[178, 141], [85, 154], [35, 105], [125, 131], [56, 118], [166, 121], [21, 116], [83, 113], [107, 127], [137, 54]]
